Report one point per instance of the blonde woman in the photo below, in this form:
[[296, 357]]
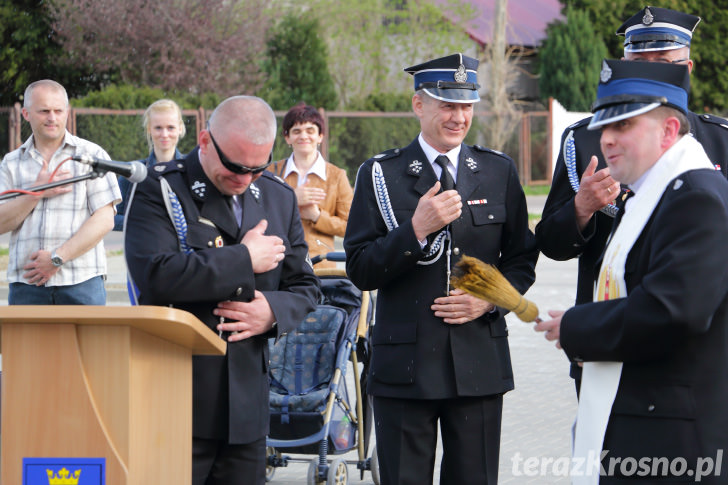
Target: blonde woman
[[163, 127]]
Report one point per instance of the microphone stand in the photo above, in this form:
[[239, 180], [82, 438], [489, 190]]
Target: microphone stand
[[94, 173]]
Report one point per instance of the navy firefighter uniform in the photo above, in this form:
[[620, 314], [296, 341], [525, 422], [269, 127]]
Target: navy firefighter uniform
[[424, 369], [651, 32], [230, 393]]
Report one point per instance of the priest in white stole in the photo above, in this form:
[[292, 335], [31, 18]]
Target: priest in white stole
[[653, 406]]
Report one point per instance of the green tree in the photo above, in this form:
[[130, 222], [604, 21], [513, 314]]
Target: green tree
[[569, 70], [371, 41], [296, 65], [29, 50], [709, 82]]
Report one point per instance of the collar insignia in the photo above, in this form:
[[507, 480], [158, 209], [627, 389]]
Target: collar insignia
[[199, 188], [606, 73], [160, 168], [648, 17], [472, 164], [460, 75], [255, 191], [415, 167]]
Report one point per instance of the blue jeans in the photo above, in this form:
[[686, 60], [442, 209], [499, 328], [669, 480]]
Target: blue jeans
[[89, 292]]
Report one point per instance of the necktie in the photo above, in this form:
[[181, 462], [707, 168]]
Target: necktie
[[446, 180], [622, 205], [237, 210]]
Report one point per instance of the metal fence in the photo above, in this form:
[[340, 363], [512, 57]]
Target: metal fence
[[350, 137]]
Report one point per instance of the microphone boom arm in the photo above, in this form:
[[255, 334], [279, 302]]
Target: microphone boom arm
[[39, 188]]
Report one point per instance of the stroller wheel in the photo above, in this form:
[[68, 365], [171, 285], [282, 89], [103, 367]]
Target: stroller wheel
[[338, 473], [270, 470], [374, 465], [312, 476]]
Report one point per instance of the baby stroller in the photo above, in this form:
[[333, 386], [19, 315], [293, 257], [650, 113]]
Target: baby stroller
[[311, 410]]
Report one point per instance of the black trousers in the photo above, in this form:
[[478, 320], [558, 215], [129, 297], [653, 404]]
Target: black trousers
[[215, 462], [406, 432]]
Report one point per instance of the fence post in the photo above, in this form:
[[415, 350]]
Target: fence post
[[15, 125], [325, 141]]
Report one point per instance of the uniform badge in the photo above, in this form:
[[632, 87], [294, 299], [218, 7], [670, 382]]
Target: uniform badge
[[648, 18], [218, 242], [478, 202], [472, 164], [255, 191], [718, 167], [415, 167], [606, 73], [160, 168], [199, 188], [678, 183], [460, 75]]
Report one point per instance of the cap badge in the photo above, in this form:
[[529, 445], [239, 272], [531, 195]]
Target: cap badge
[[415, 167], [648, 18], [199, 188], [606, 73], [460, 75]]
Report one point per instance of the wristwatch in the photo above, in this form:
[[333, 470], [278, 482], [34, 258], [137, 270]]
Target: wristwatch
[[56, 260]]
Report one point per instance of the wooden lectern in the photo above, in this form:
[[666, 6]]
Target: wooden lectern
[[103, 382]]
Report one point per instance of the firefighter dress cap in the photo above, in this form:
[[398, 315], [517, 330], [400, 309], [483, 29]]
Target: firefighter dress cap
[[631, 88], [658, 29], [453, 78]]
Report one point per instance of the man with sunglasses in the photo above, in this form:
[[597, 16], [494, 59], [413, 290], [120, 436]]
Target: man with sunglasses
[[218, 236], [581, 205]]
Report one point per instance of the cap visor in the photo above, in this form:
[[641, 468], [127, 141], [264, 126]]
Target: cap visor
[[654, 46], [454, 95], [619, 112]]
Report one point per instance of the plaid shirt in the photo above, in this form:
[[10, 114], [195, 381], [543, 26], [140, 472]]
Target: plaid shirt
[[56, 219]]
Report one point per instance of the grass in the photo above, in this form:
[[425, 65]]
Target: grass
[[536, 189]]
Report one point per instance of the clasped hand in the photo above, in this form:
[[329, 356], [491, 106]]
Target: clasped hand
[[265, 251], [435, 211]]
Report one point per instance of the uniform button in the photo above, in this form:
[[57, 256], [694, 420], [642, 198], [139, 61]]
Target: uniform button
[[491, 216], [456, 251], [239, 291], [408, 253], [651, 407], [210, 244]]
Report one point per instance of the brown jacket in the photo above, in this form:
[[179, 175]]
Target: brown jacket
[[334, 210]]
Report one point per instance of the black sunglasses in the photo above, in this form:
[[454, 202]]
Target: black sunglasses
[[234, 167]]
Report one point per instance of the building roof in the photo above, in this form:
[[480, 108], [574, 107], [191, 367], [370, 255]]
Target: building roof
[[527, 20]]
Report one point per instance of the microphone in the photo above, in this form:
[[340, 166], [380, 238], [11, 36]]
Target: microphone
[[134, 171]]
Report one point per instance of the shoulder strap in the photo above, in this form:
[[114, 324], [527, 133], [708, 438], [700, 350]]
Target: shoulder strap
[[176, 215]]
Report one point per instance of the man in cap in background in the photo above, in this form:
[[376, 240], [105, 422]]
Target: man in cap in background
[[439, 354], [655, 341], [580, 208]]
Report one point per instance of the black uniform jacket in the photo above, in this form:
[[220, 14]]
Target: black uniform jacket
[[231, 392], [671, 330], [417, 355]]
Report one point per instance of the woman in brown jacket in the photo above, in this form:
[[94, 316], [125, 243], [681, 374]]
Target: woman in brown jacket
[[322, 189]]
